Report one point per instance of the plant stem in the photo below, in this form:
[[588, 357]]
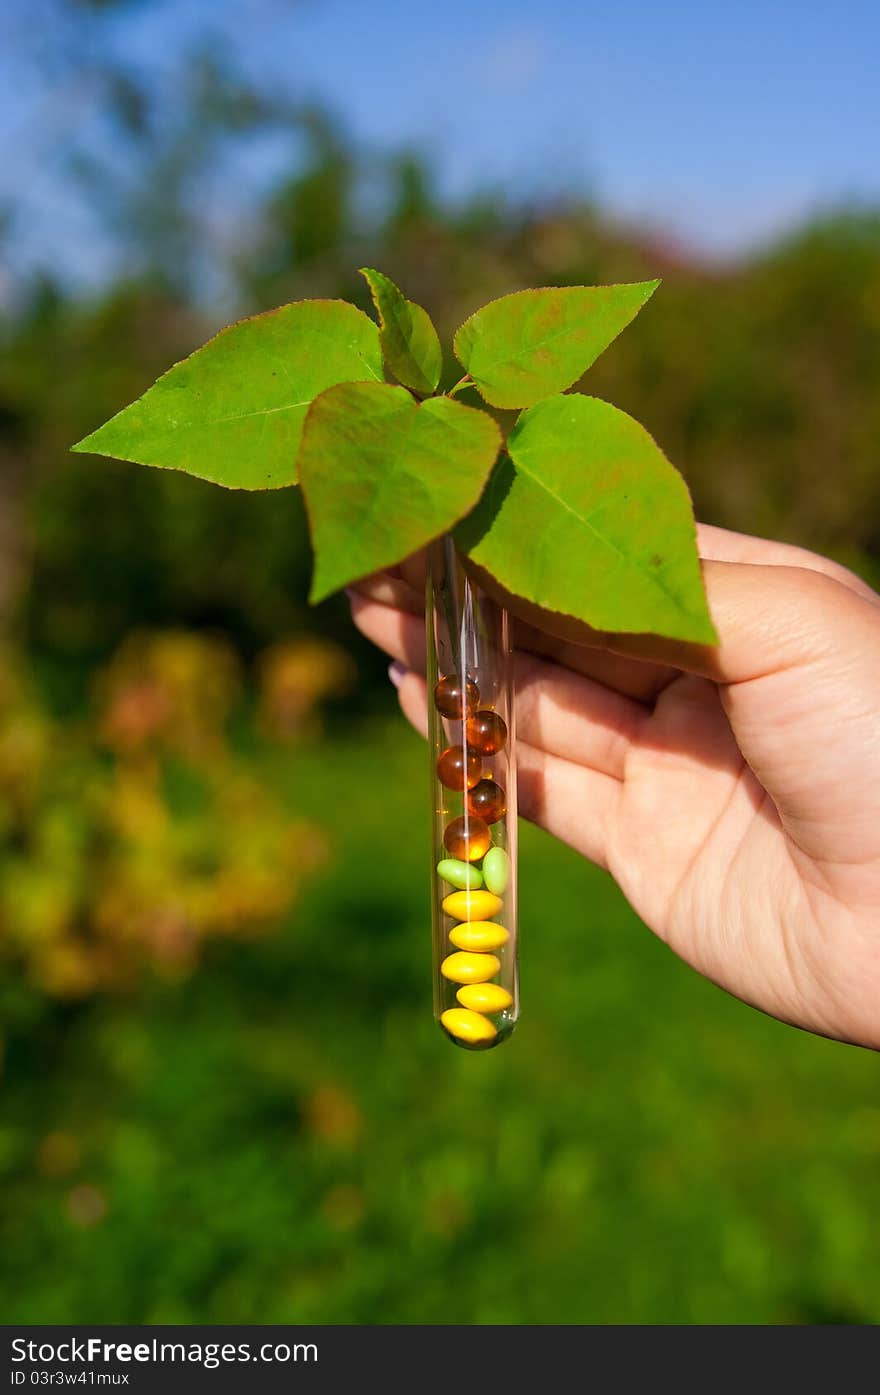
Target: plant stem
[[466, 381]]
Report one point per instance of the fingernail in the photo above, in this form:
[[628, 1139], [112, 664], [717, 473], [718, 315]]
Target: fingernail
[[397, 673]]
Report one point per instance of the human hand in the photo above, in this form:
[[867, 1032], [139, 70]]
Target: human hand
[[732, 792]]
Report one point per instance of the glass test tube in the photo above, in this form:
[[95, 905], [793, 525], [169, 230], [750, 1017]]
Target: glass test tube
[[473, 847]]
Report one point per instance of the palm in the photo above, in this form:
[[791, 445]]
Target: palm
[[687, 800], [694, 836]]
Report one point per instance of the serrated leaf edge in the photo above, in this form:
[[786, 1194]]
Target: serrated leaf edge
[[703, 617], [83, 446], [652, 283]]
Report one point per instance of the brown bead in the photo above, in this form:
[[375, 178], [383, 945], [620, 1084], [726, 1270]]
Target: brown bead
[[486, 732], [467, 839], [487, 800], [454, 699], [458, 769]]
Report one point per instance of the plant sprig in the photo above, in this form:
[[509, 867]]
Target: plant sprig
[[577, 511]]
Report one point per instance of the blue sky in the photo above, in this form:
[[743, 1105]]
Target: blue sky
[[720, 123]]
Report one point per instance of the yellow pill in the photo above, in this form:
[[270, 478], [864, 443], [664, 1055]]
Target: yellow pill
[[472, 905], [479, 935], [484, 997], [468, 1026], [470, 968]]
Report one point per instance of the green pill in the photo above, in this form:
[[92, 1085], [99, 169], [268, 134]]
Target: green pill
[[496, 870], [461, 874]]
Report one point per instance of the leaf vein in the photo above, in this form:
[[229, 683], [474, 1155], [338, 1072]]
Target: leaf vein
[[626, 558]]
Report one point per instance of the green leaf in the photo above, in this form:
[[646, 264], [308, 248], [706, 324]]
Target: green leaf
[[233, 411], [587, 516], [383, 475], [409, 340], [525, 346]]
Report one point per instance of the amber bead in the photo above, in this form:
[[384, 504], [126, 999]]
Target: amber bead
[[458, 769], [486, 732], [455, 699], [487, 800], [467, 839]]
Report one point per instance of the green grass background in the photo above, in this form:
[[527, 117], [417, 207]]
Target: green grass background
[[286, 1136]]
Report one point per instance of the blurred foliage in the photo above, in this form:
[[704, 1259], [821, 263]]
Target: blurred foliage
[[121, 832], [189, 758], [286, 1136]]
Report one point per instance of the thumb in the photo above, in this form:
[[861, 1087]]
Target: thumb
[[798, 665], [766, 617]]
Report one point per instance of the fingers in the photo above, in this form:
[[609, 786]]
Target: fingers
[[404, 585], [400, 633], [631, 677], [641, 666], [558, 711], [768, 618], [722, 545], [411, 694], [798, 662], [575, 718], [575, 804], [389, 588]]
